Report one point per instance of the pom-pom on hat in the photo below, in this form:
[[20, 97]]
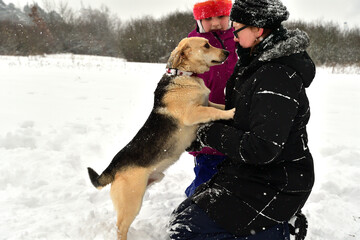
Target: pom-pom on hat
[[212, 8], [259, 13]]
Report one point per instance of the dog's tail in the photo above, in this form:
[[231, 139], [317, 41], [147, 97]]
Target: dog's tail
[[100, 181]]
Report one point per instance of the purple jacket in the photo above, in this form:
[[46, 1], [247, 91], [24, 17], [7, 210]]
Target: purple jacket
[[216, 78]]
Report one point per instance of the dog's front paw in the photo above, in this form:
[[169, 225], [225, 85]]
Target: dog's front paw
[[230, 113]]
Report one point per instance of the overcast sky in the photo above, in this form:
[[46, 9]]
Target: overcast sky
[[340, 11]]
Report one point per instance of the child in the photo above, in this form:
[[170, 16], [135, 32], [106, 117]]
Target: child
[[212, 18]]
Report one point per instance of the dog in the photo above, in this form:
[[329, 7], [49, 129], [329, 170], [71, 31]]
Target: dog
[[180, 105]]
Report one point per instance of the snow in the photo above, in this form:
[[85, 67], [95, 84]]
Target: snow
[[63, 113]]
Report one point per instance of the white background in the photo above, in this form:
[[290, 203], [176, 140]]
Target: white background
[[307, 10], [63, 113]]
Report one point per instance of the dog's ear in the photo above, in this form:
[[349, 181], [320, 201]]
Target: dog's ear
[[177, 56]]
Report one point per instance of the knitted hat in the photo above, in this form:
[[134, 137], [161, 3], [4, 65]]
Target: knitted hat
[[212, 8], [259, 13]]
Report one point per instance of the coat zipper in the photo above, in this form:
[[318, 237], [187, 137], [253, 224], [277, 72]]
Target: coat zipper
[[219, 39]]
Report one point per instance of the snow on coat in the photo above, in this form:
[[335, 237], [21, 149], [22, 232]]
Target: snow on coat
[[269, 174]]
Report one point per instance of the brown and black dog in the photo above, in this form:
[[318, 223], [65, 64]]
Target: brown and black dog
[[180, 105]]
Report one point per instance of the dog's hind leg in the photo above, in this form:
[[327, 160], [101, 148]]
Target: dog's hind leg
[[127, 191], [155, 177]]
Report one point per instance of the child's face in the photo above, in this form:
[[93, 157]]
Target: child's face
[[215, 23]]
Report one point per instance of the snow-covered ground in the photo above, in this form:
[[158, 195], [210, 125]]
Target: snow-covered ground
[[60, 114]]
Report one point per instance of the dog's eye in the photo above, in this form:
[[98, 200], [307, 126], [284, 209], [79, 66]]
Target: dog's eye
[[207, 45]]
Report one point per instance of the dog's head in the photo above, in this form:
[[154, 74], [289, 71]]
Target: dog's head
[[196, 55]]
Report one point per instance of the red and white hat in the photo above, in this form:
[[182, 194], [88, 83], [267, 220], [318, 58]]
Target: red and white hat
[[211, 8]]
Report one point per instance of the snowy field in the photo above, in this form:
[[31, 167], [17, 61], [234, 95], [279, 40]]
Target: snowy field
[[61, 114]]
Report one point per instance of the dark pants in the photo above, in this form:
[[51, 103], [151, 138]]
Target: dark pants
[[205, 168], [191, 222]]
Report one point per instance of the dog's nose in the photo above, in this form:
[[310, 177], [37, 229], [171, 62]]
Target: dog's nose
[[226, 53]]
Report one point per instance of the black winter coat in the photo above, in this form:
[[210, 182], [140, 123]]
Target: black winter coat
[[269, 173]]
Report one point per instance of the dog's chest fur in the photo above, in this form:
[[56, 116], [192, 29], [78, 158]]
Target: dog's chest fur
[[163, 137]]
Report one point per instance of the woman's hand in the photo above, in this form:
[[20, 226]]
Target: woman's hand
[[199, 143]]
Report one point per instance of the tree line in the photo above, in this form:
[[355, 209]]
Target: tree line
[[147, 39]]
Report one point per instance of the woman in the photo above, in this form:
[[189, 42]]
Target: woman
[[268, 174], [212, 20]]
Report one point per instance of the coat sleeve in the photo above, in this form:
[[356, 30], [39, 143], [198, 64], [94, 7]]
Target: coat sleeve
[[273, 108]]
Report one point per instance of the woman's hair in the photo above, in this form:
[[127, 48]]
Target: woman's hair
[[265, 33]]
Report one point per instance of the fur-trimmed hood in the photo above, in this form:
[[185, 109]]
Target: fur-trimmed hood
[[284, 46], [295, 41]]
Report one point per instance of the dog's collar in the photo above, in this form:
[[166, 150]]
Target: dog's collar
[[177, 72]]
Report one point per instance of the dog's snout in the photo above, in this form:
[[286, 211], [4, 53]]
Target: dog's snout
[[227, 53]]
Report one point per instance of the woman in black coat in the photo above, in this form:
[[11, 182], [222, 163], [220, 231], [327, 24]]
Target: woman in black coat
[[268, 174]]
